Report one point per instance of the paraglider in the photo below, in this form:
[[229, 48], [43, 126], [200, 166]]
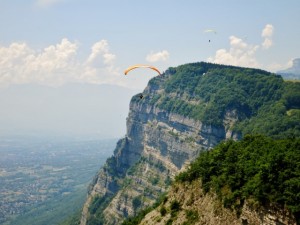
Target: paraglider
[[141, 66], [210, 31]]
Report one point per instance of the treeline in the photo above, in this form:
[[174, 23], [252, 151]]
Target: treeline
[[257, 168]]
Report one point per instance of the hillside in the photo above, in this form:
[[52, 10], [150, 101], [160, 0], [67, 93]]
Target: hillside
[[187, 110], [252, 181]]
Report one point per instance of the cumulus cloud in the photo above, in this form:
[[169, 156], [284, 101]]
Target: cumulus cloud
[[267, 31], [99, 66], [267, 34], [267, 43], [100, 52], [239, 54], [56, 64], [158, 56]]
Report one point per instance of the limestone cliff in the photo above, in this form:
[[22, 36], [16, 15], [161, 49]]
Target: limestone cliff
[[157, 145], [166, 129]]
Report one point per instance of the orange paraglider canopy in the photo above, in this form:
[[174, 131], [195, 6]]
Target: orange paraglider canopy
[[141, 66]]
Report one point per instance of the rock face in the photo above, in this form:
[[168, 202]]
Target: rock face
[[198, 208], [158, 144]]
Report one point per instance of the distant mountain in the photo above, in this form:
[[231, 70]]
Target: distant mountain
[[292, 73]]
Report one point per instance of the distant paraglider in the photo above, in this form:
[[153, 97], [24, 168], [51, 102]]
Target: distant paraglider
[[210, 31], [141, 66]]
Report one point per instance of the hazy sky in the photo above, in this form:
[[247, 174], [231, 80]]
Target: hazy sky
[[53, 43]]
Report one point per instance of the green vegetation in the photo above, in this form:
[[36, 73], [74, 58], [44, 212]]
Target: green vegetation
[[163, 211], [138, 218], [96, 209], [170, 221], [73, 220], [257, 168], [205, 92], [192, 217], [135, 220], [175, 206], [136, 202], [280, 119]]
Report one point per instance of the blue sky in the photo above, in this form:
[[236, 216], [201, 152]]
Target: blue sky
[[57, 42], [169, 32]]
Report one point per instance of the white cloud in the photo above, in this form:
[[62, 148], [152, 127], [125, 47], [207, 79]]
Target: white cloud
[[158, 56], [267, 31], [239, 54], [267, 43], [99, 66], [267, 34], [100, 51], [56, 64]]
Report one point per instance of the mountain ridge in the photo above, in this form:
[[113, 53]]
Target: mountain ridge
[[186, 110]]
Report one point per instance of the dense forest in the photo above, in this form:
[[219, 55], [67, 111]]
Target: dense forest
[[257, 168], [265, 103]]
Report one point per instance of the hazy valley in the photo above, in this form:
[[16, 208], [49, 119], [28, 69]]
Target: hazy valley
[[45, 180]]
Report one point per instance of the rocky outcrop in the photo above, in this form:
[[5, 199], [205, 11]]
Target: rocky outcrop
[[196, 207]]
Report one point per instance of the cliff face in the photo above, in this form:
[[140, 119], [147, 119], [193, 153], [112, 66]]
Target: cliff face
[[157, 145], [162, 139], [198, 208]]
